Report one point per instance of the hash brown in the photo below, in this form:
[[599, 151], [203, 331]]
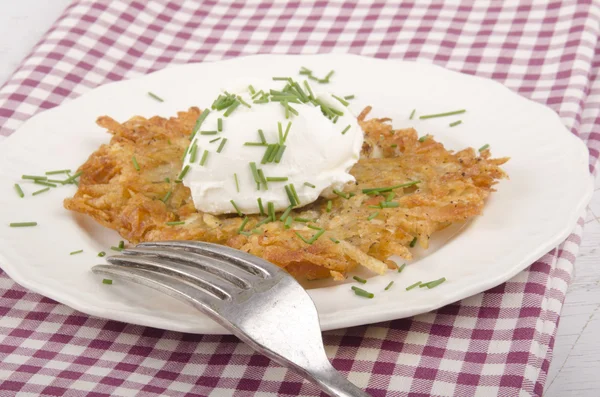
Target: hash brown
[[453, 188]]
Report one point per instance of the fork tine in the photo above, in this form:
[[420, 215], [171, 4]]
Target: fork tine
[[209, 265], [206, 281], [249, 263], [177, 288]]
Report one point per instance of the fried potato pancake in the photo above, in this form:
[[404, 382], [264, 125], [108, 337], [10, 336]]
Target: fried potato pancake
[[138, 203]]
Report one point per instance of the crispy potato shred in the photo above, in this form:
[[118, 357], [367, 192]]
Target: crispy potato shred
[[138, 204]]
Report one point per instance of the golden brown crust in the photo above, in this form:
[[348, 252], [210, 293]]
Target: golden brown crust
[[453, 188]]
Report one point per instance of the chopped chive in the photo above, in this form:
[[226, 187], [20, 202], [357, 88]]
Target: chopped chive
[[267, 154], [273, 153], [303, 220], [106, 281], [285, 214], [200, 120], [412, 114], [40, 191], [260, 206], [375, 206], [266, 220], [401, 268], [282, 78], [326, 79], [342, 100], [34, 177], [329, 204], [57, 172], [72, 178], [394, 145], [288, 222], [23, 224], [263, 180], [271, 209], [362, 292], [279, 153], [346, 129], [389, 285], [389, 204], [121, 244], [44, 183], [435, 283], [183, 172], [423, 138], [19, 190], [231, 108], [348, 97], [310, 93], [168, 180], [255, 144], [259, 93], [317, 235], [277, 178], [336, 241], [135, 163], [341, 194], [159, 99], [302, 237], [254, 172], [239, 98], [423, 285], [101, 254], [390, 196], [175, 223], [116, 248], [236, 208], [413, 242], [304, 70], [185, 152], [241, 228], [312, 226], [251, 89], [431, 116], [167, 196], [219, 124], [293, 189], [373, 215], [378, 190], [261, 101], [301, 93], [76, 252], [360, 280], [262, 137], [247, 234], [222, 145], [208, 132], [484, 147], [204, 157], [309, 185], [413, 286], [287, 130], [193, 153], [290, 195], [237, 184], [280, 132], [455, 123]]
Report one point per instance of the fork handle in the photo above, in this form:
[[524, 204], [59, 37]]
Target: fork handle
[[335, 384]]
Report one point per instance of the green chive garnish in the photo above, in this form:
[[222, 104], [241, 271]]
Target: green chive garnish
[[260, 206], [241, 228], [193, 153], [304, 70], [266, 220], [310, 93], [23, 224], [484, 147], [309, 185], [168, 180], [19, 190], [121, 244], [389, 285], [185, 152], [279, 153], [435, 283], [280, 132], [44, 183], [286, 213], [219, 124], [373, 215], [455, 123], [204, 157], [282, 79], [159, 99], [413, 242], [360, 280], [237, 184], [101, 254], [362, 292], [268, 152], [389, 204], [346, 129], [208, 132], [40, 191], [329, 204], [342, 100], [302, 237], [251, 89], [72, 178], [231, 108], [293, 189], [118, 249], [106, 281], [401, 268], [239, 98], [183, 172], [263, 180], [288, 222], [271, 209], [167, 196], [277, 178], [412, 114], [255, 144], [287, 130], [262, 137], [222, 145], [394, 145], [76, 252], [57, 172], [175, 223], [236, 208], [200, 120], [255, 172], [377, 190], [290, 195], [135, 163], [415, 285], [34, 177], [341, 194], [423, 138], [431, 116], [303, 220], [348, 97], [336, 241], [326, 79]]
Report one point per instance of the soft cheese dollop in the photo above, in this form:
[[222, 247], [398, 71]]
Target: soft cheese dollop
[[318, 152]]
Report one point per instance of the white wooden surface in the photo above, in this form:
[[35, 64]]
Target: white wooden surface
[[575, 369]]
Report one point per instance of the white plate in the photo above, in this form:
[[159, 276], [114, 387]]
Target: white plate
[[534, 211]]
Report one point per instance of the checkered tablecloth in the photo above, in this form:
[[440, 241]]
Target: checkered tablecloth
[[496, 343]]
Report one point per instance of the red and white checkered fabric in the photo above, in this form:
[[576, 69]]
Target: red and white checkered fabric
[[495, 343]]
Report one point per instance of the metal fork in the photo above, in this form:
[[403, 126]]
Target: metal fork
[[257, 301]]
